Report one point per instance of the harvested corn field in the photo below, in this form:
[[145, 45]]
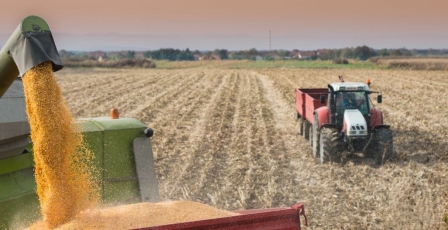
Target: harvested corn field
[[228, 138]]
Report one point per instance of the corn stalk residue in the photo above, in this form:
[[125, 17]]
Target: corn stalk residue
[[64, 184]]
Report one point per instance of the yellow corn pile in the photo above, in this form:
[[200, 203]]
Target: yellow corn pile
[[144, 215], [63, 180]]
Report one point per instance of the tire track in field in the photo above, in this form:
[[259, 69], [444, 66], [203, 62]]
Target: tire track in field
[[146, 111], [273, 173], [154, 84], [298, 161], [232, 197], [208, 161], [178, 188], [105, 96], [92, 80], [175, 127], [219, 174]]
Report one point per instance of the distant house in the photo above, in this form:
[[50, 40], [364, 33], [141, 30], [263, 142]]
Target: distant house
[[307, 54], [322, 53], [274, 55], [197, 56], [294, 54], [97, 55], [124, 53], [216, 57], [139, 55]]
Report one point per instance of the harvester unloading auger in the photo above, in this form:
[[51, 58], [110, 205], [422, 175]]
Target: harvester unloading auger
[[121, 146], [29, 45]]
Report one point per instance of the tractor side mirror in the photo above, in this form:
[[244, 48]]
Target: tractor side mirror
[[322, 99], [380, 98]]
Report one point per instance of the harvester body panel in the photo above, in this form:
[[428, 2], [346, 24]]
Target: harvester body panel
[[111, 142], [14, 127]]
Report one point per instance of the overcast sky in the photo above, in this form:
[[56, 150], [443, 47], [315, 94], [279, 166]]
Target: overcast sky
[[234, 24]]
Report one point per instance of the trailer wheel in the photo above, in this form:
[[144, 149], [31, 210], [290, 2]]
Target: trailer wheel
[[385, 150], [305, 125], [315, 140], [300, 120], [311, 136], [329, 145]]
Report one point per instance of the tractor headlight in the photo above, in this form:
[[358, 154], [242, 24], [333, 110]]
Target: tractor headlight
[[352, 132], [363, 132]]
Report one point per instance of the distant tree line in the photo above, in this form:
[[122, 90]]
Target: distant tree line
[[169, 54], [359, 53]]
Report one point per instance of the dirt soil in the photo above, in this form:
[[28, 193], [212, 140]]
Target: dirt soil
[[229, 138]]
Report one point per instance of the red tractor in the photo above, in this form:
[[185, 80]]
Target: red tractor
[[340, 120]]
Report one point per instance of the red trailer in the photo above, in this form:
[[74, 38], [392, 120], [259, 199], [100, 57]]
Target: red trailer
[[260, 219], [307, 101]]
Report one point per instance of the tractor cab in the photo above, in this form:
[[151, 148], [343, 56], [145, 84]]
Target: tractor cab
[[348, 96]]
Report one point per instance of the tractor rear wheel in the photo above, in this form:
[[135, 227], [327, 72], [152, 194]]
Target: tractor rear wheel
[[329, 145], [384, 151]]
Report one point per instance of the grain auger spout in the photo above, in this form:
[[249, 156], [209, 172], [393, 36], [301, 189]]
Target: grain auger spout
[[29, 45]]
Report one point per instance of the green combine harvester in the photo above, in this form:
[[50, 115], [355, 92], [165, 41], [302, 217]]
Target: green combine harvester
[[122, 146]]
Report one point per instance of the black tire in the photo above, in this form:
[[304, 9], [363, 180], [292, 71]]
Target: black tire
[[305, 125], [300, 120], [316, 137], [385, 148], [310, 133], [329, 145], [371, 146]]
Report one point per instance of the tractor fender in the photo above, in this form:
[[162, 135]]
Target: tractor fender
[[322, 115], [376, 118]]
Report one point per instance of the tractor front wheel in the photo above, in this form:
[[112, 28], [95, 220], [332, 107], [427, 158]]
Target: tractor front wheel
[[384, 142], [329, 145]]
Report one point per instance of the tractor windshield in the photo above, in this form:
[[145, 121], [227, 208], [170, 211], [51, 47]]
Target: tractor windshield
[[351, 100]]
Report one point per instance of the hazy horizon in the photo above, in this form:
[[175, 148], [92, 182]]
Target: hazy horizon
[[235, 25]]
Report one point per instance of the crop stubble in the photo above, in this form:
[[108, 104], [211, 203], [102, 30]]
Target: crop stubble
[[228, 138]]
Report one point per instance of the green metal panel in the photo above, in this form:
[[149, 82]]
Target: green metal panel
[[15, 163], [29, 24], [119, 179], [110, 140], [123, 192], [93, 140], [18, 200]]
